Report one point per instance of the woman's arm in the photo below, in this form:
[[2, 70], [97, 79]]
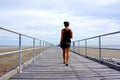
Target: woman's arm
[[71, 34], [61, 38]]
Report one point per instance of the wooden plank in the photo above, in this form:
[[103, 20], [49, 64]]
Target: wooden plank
[[50, 67]]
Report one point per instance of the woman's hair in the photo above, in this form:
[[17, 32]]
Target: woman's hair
[[66, 23]]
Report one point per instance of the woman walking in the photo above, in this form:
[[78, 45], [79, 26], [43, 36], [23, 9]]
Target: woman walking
[[65, 41]]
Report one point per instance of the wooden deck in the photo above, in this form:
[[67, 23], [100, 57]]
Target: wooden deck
[[50, 67]]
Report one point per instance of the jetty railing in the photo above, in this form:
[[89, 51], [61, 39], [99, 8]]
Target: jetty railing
[[103, 48], [16, 49]]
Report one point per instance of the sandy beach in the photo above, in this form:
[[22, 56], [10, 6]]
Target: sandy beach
[[95, 52], [10, 61]]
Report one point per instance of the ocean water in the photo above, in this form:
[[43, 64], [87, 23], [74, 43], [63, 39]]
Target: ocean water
[[8, 47]]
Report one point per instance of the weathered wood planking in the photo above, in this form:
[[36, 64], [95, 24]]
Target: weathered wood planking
[[50, 67]]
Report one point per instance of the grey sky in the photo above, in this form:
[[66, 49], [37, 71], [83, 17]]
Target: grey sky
[[44, 18]]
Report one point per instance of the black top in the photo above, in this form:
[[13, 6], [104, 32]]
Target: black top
[[66, 35]]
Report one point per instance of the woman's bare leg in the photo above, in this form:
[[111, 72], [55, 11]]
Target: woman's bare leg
[[67, 55], [63, 49]]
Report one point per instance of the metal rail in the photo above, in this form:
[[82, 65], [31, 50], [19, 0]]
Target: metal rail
[[42, 44], [86, 47], [17, 33], [13, 52], [98, 36]]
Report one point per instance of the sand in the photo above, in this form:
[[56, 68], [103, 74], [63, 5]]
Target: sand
[[95, 52], [10, 61]]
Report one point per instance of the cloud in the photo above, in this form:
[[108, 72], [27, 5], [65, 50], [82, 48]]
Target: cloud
[[44, 19], [101, 2]]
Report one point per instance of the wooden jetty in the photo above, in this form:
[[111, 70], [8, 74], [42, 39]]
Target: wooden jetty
[[50, 67]]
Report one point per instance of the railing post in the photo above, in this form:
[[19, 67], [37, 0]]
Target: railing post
[[78, 46], [86, 48], [20, 55], [74, 46], [33, 49], [100, 57], [40, 43], [43, 47]]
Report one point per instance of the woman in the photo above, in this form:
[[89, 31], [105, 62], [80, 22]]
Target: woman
[[65, 41]]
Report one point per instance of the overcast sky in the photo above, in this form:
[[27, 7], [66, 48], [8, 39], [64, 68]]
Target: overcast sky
[[44, 19]]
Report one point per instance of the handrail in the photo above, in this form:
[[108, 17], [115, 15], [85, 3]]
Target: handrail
[[99, 46], [99, 36], [12, 52], [16, 32], [42, 44]]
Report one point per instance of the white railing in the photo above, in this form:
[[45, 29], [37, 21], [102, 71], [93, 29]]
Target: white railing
[[103, 48], [37, 44]]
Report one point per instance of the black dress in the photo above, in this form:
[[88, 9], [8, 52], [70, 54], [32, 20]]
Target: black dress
[[66, 41]]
